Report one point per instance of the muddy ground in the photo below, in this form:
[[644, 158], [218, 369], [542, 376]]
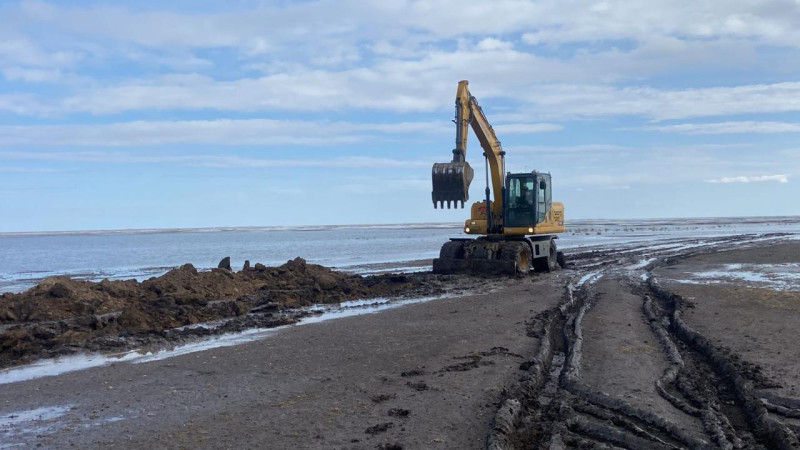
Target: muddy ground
[[642, 346], [61, 316], [641, 355]]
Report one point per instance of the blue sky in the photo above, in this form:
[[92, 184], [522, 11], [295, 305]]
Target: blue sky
[[190, 114]]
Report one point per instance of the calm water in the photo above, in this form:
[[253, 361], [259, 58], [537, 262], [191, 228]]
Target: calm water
[[26, 259]]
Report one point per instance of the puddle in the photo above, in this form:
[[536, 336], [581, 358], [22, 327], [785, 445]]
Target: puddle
[[781, 277], [32, 422], [58, 366], [590, 277], [641, 264], [372, 306]]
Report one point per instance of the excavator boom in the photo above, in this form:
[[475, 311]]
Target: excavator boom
[[451, 180]]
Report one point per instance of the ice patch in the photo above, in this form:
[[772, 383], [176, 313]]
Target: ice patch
[[369, 308], [641, 264], [32, 422], [38, 414], [590, 277], [773, 276], [58, 366]]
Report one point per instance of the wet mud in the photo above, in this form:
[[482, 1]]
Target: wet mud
[[61, 316], [661, 383], [613, 352]]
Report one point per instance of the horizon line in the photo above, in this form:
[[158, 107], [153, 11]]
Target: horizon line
[[310, 227]]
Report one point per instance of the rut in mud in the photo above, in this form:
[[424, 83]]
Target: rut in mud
[[703, 396]]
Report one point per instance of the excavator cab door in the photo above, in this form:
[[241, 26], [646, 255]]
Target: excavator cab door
[[520, 201], [544, 196]]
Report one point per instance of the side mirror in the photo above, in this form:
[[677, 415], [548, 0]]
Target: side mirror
[[542, 185]]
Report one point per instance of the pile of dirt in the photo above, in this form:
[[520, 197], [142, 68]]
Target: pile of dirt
[[61, 315]]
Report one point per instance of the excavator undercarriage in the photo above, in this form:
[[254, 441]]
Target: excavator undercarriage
[[499, 255]]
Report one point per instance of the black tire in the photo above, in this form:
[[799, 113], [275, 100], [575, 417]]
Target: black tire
[[519, 252], [479, 250], [540, 265], [452, 250], [552, 258], [561, 260], [509, 251], [523, 259]]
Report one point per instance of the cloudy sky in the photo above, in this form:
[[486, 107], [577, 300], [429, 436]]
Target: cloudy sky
[[199, 113]]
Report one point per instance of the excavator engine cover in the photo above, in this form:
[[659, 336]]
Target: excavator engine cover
[[451, 183]]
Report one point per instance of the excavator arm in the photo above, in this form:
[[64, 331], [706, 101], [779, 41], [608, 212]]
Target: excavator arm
[[451, 180]]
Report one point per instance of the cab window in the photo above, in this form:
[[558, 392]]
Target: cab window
[[520, 198], [543, 197]]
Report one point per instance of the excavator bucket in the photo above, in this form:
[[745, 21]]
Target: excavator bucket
[[451, 183]]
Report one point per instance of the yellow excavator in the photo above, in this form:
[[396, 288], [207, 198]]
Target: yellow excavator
[[516, 225]]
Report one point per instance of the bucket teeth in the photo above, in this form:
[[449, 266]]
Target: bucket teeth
[[451, 183]]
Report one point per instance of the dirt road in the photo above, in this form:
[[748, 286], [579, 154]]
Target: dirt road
[[624, 349]]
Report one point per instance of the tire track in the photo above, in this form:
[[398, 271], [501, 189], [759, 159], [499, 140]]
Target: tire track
[[551, 407]]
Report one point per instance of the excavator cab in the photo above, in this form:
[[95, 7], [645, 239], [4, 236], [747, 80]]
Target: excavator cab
[[528, 197]]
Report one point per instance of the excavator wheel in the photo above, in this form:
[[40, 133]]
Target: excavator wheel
[[452, 250], [552, 258], [541, 265], [561, 261], [479, 250], [484, 257], [519, 252], [547, 263]]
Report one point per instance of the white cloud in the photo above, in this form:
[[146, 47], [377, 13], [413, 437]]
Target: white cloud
[[729, 127], [415, 86], [492, 44], [782, 178], [31, 75], [217, 161], [22, 51], [526, 128], [390, 55], [366, 185], [568, 149], [224, 132], [549, 21], [12, 169], [661, 104]]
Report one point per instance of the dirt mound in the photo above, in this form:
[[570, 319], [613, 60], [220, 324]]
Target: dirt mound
[[61, 315]]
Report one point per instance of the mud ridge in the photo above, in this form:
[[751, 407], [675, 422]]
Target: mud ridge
[[61, 316], [537, 424], [571, 382], [505, 433], [767, 429], [715, 425]]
